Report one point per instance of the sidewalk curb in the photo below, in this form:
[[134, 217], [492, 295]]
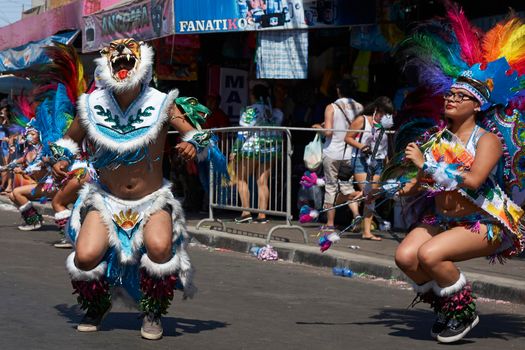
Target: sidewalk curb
[[487, 286]]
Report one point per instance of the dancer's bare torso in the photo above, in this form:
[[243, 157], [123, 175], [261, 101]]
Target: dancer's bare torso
[[453, 204], [140, 179]]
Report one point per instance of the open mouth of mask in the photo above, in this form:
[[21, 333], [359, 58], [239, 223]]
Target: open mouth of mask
[[123, 65]]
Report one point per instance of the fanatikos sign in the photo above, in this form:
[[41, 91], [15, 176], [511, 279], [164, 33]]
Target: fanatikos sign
[[142, 20], [239, 15]]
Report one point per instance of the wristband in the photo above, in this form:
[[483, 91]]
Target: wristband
[[64, 149], [199, 139]]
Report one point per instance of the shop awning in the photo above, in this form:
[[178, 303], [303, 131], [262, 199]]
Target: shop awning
[[41, 26], [24, 56], [138, 19]]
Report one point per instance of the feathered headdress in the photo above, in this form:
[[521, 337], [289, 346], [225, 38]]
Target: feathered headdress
[[65, 68], [53, 117], [23, 110], [491, 66]]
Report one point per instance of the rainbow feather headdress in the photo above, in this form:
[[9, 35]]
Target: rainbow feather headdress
[[491, 66]]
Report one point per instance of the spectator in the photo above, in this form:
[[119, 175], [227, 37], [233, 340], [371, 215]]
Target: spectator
[[256, 151], [217, 119], [336, 153], [369, 166], [4, 141]]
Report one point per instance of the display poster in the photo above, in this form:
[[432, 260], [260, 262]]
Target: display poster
[[240, 15], [141, 20], [233, 91]]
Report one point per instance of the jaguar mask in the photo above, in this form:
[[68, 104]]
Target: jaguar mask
[[125, 63]]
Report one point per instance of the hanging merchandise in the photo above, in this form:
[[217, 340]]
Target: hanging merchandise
[[282, 55], [177, 57]]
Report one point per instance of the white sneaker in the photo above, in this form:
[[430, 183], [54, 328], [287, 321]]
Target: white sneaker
[[63, 243], [28, 227]]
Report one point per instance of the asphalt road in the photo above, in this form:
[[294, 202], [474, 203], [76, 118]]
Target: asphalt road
[[242, 303]]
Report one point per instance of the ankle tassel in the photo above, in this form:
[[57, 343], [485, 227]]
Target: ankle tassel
[[31, 216], [92, 295], [460, 305], [157, 292]]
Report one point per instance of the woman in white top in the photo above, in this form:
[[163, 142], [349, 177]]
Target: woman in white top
[[368, 168], [338, 115]]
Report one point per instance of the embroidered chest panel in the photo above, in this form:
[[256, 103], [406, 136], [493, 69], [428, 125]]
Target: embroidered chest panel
[[136, 126]]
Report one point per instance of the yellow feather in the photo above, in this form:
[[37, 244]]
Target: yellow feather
[[514, 48], [497, 37]]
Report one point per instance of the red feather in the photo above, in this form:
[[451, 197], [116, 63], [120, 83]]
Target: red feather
[[469, 37]]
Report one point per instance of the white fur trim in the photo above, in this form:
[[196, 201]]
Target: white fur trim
[[91, 194], [142, 74], [160, 269], [64, 214], [71, 145], [81, 275], [25, 207], [422, 288], [122, 147], [456, 287]]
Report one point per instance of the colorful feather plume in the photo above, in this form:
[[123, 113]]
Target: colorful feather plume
[[53, 117], [23, 110], [65, 68], [468, 36]]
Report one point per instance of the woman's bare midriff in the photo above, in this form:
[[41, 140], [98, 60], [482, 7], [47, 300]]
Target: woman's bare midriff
[[453, 204], [138, 180]]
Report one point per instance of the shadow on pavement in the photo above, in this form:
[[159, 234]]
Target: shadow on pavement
[[173, 326], [416, 324]]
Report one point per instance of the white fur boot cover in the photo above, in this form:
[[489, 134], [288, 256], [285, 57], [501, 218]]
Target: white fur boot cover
[[456, 287], [422, 288], [77, 274]]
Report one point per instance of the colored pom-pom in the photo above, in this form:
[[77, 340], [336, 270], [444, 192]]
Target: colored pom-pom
[[307, 214]]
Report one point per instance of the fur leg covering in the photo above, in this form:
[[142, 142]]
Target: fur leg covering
[[91, 286], [157, 283], [30, 214], [458, 300], [61, 219]]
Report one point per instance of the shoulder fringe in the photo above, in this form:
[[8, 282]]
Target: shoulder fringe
[[81, 275]]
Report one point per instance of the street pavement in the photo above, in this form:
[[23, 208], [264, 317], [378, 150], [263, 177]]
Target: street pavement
[[242, 303], [496, 281]]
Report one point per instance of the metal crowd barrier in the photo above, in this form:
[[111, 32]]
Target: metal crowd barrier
[[253, 151]]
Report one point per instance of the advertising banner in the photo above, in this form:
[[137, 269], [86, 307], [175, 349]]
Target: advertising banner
[[141, 20], [241, 15]]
